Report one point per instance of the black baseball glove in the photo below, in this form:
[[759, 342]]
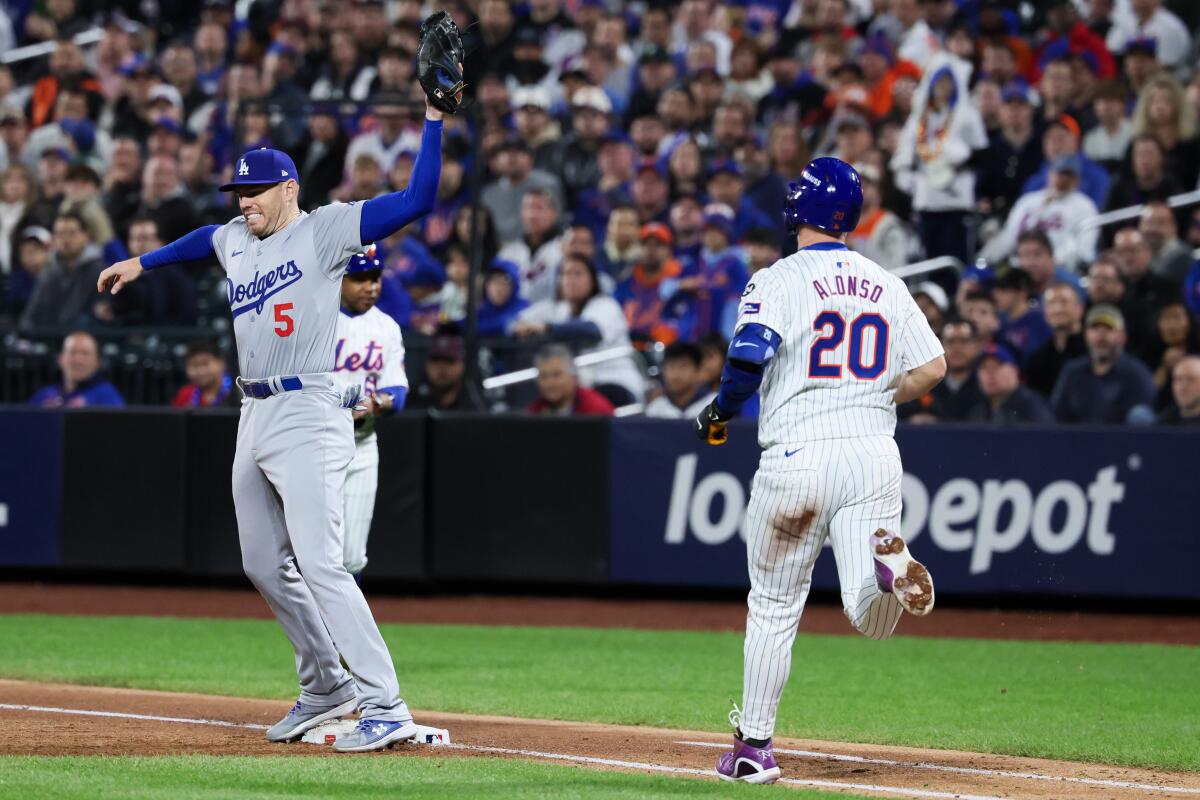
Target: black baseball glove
[[712, 424], [439, 62]]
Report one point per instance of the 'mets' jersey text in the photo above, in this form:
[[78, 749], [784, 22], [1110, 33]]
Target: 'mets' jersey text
[[850, 330], [370, 351], [285, 290]]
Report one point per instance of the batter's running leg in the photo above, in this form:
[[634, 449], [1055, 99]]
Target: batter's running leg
[[785, 531]]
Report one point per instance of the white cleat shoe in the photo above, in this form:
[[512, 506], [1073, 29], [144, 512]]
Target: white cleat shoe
[[899, 573]]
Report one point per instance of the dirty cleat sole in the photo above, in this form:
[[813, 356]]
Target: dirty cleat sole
[[898, 572]]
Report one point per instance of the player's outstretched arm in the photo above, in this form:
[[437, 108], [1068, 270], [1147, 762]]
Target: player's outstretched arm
[[919, 381], [752, 347], [384, 215], [189, 247]]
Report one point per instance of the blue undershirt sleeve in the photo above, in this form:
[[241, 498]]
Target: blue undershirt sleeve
[[384, 215], [399, 395], [190, 247], [749, 352]]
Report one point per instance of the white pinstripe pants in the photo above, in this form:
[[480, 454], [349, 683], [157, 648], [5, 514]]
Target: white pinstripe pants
[[362, 479], [843, 489]]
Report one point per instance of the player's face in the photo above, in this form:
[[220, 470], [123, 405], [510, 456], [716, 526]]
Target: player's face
[[205, 370], [360, 291], [265, 207], [555, 382]]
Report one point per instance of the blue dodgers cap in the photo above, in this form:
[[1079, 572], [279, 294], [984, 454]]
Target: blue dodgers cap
[[262, 167]]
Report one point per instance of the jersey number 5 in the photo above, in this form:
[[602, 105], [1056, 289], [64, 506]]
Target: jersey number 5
[[284, 324], [832, 327]]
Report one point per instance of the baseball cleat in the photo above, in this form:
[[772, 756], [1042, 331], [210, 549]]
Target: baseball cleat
[[375, 734], [898, 572], [303, 718], [748, 764]]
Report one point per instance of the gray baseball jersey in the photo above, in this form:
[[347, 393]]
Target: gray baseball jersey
[[285, 290]]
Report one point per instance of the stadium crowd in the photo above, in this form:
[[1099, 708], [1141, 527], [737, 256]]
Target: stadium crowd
[[633, 159]]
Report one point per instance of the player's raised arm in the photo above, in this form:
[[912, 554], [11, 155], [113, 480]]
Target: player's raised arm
[[190, 247]]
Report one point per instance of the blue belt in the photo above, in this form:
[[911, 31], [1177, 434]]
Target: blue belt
[[261, 389]]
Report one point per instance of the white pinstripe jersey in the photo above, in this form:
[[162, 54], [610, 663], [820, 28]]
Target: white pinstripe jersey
[[370, 351], [849, 331]]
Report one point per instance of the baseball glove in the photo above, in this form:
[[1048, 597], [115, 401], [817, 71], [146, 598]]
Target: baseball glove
[[439, 62]]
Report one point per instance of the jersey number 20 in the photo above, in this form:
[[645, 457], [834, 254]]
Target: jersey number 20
[[832, 327]]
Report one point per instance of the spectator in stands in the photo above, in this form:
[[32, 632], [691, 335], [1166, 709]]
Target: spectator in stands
[[82, 384], [209, 383], [1005, 401], [443, 385], [180, 69], [762, 248], [687, 224], [66, 289], [640, 294], [622, 248], [577, 151], [51, 176], [1178, 336], [707, 299], [538, 130], [539, 250], [165, 297], [931, 160], [958, 393], [1145, 292], [32, 257], [726, 186], [320, 155], [123, 181], [1063, 311], [1104, 282], [1058, 210], [512, 163], [389, 138], [1107, 386], [1147, 19], [501, 301], [933, 302], [1147, 178], [979, 307], [81, 194], [1166, 113], [18, 193], [1024, 327], [1185, 388], [67, 65], [559, 392], [650, 191], [1171, 258], [164, 198], [1108, 141], [684, 392], [1060, 94], [582, 313], [881, 236], [713, 347], [685, 167], [1062, 138], [345, 75], [14, 134], [1035, 255]]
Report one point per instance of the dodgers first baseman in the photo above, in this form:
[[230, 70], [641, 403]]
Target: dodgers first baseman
[[370, 353], [295, 438], [835, 342]]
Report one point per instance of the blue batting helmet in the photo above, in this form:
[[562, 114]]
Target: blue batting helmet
[[827, 196], [362, 262]]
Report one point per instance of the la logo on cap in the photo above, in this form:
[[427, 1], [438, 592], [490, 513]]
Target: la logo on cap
[[284, 171], [243, 168]]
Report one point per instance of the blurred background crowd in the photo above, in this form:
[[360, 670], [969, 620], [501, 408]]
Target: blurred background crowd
[[1030, 169]]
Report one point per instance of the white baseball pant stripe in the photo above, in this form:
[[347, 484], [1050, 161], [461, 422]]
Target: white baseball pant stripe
[[289, 472], [361, 483], [840, 489]]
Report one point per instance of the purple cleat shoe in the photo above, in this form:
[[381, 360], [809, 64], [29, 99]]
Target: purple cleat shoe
[[748, 764], [898, 572]]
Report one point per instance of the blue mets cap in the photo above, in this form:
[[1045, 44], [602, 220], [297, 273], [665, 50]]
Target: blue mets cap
[[364, 261], [262, 167]]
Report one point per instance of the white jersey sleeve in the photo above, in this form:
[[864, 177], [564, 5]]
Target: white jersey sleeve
[[765, 301], [393, 373]]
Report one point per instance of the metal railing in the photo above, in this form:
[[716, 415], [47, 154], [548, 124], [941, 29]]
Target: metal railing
[[17, 54], [530, 373], [1132, 212], [928, 266]]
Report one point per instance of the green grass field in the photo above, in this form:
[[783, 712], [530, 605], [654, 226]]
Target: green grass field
[[1119, 704]]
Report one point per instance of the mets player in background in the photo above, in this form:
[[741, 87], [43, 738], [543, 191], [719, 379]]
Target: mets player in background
[[370, 353], [833, 342], [295, 438]]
